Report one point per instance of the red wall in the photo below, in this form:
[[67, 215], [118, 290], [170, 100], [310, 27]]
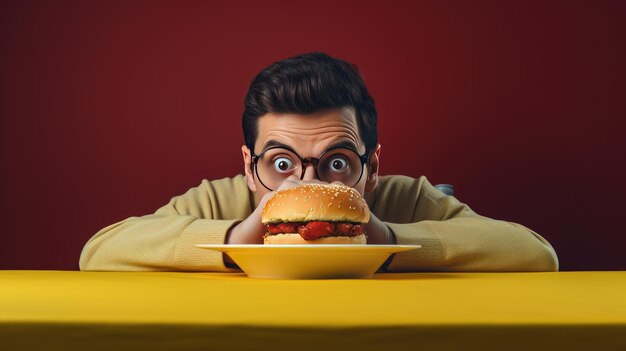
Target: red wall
[[110, 108]]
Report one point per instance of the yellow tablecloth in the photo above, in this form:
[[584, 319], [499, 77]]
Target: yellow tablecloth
[[61, 310]]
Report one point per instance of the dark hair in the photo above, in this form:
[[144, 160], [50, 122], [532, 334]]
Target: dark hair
[[306, 84]]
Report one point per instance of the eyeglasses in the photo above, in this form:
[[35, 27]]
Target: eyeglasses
[[341, 164]]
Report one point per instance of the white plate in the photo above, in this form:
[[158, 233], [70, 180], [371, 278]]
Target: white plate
[[309, 261]]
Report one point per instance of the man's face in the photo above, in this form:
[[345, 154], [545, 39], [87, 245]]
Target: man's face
[[309, 136]]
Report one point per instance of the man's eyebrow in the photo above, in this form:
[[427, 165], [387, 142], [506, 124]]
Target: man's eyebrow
[[345, 143], [274, 143]]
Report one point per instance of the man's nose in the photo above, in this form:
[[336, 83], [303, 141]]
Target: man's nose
[[309, 172]]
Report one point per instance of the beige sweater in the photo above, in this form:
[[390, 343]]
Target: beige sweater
[[453, 237]]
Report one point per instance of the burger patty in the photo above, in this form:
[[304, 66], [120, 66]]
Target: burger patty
[[316, 229]]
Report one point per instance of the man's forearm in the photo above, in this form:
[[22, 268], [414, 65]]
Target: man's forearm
[[156, 242], [472, 244]]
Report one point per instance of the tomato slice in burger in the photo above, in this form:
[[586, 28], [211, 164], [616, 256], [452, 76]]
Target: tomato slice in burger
[[343, 228], [288, 227], [316, 229]]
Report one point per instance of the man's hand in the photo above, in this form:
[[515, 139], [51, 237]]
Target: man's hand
[[378, 232], [251, 230]]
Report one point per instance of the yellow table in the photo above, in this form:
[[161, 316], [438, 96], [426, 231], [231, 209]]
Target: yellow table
[[62, 310]]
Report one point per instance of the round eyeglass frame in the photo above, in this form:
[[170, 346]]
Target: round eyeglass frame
[[306, 160]]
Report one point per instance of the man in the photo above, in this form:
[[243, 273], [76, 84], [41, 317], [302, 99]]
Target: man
[[309, 119]]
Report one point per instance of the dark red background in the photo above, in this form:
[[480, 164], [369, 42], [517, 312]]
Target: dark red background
[[110, 108]]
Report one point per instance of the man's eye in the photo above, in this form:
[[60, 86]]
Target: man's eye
[[283, 164], [338, 164]]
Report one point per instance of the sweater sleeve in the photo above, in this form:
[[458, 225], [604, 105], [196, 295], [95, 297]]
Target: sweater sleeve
[[453, 237], [166, 239]]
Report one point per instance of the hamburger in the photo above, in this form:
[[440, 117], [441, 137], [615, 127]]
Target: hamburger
[[315, 214]]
